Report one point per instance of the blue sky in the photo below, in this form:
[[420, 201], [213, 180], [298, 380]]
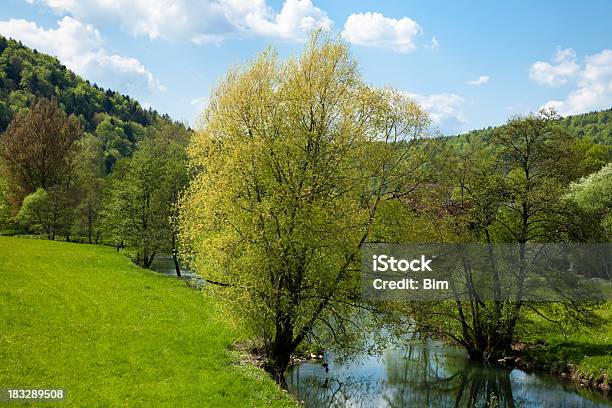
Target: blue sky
[[469, 63]]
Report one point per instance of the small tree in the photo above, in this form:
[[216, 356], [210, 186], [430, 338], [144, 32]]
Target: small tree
[[48, 212], [135, 206], [89, 182], [141, 194]]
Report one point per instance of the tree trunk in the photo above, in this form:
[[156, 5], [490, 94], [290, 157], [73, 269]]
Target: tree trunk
[[281, 351], [89, 227], [148, 260], [177, 267], [493, 351], [277, 366], [476, 355]]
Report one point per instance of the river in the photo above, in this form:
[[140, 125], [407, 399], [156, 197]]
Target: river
[[428, 373]]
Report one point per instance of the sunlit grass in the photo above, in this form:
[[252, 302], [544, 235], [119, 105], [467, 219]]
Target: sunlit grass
[[590, 351], [83, 318]]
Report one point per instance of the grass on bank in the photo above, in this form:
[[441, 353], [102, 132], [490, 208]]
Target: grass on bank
[[85, 319], [588, 351]]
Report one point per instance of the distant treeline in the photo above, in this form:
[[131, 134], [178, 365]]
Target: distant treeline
[[594, 126]]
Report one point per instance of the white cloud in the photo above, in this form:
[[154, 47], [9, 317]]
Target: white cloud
[[79, 47], [295, 20], [435, 44], [593, 88], [444, 110], [199, 21], [481, 80], [564, 67], [153, 18], [375, 30]]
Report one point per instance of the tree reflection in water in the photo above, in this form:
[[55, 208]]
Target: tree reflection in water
[[428, 374], [435, 380]]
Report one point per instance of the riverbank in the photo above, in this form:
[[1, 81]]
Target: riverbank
[[85, 319], [584, 357]]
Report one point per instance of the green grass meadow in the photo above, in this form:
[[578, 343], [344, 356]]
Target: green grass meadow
[[588, 351], [85, 319]]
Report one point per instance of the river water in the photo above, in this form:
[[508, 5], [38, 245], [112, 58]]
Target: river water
[[428, 373], [165, 265]]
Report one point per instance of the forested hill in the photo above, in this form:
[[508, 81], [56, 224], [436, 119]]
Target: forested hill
[[597, 126], [25, 75]]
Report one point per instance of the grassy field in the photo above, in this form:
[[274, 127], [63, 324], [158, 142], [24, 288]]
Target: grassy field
[[588, 351], [83, 318]]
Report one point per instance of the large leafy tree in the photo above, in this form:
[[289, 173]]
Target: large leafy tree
[[37, 149], [293, 161], [509, 190]]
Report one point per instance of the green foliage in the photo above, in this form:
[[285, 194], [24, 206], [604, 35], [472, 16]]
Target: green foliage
[[6, 218], [595, 127], [118, 139], [588, 351], [142, 191], [115, 125], [34, 209], [47, 211], [508, 189], [594, 192], [89, 181], [294, 159], [592, 196], [86, 319], [37, 150], [26, 75], [117, 120]]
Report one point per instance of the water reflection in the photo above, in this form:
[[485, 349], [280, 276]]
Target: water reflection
[[429, 374], [165, 265]]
